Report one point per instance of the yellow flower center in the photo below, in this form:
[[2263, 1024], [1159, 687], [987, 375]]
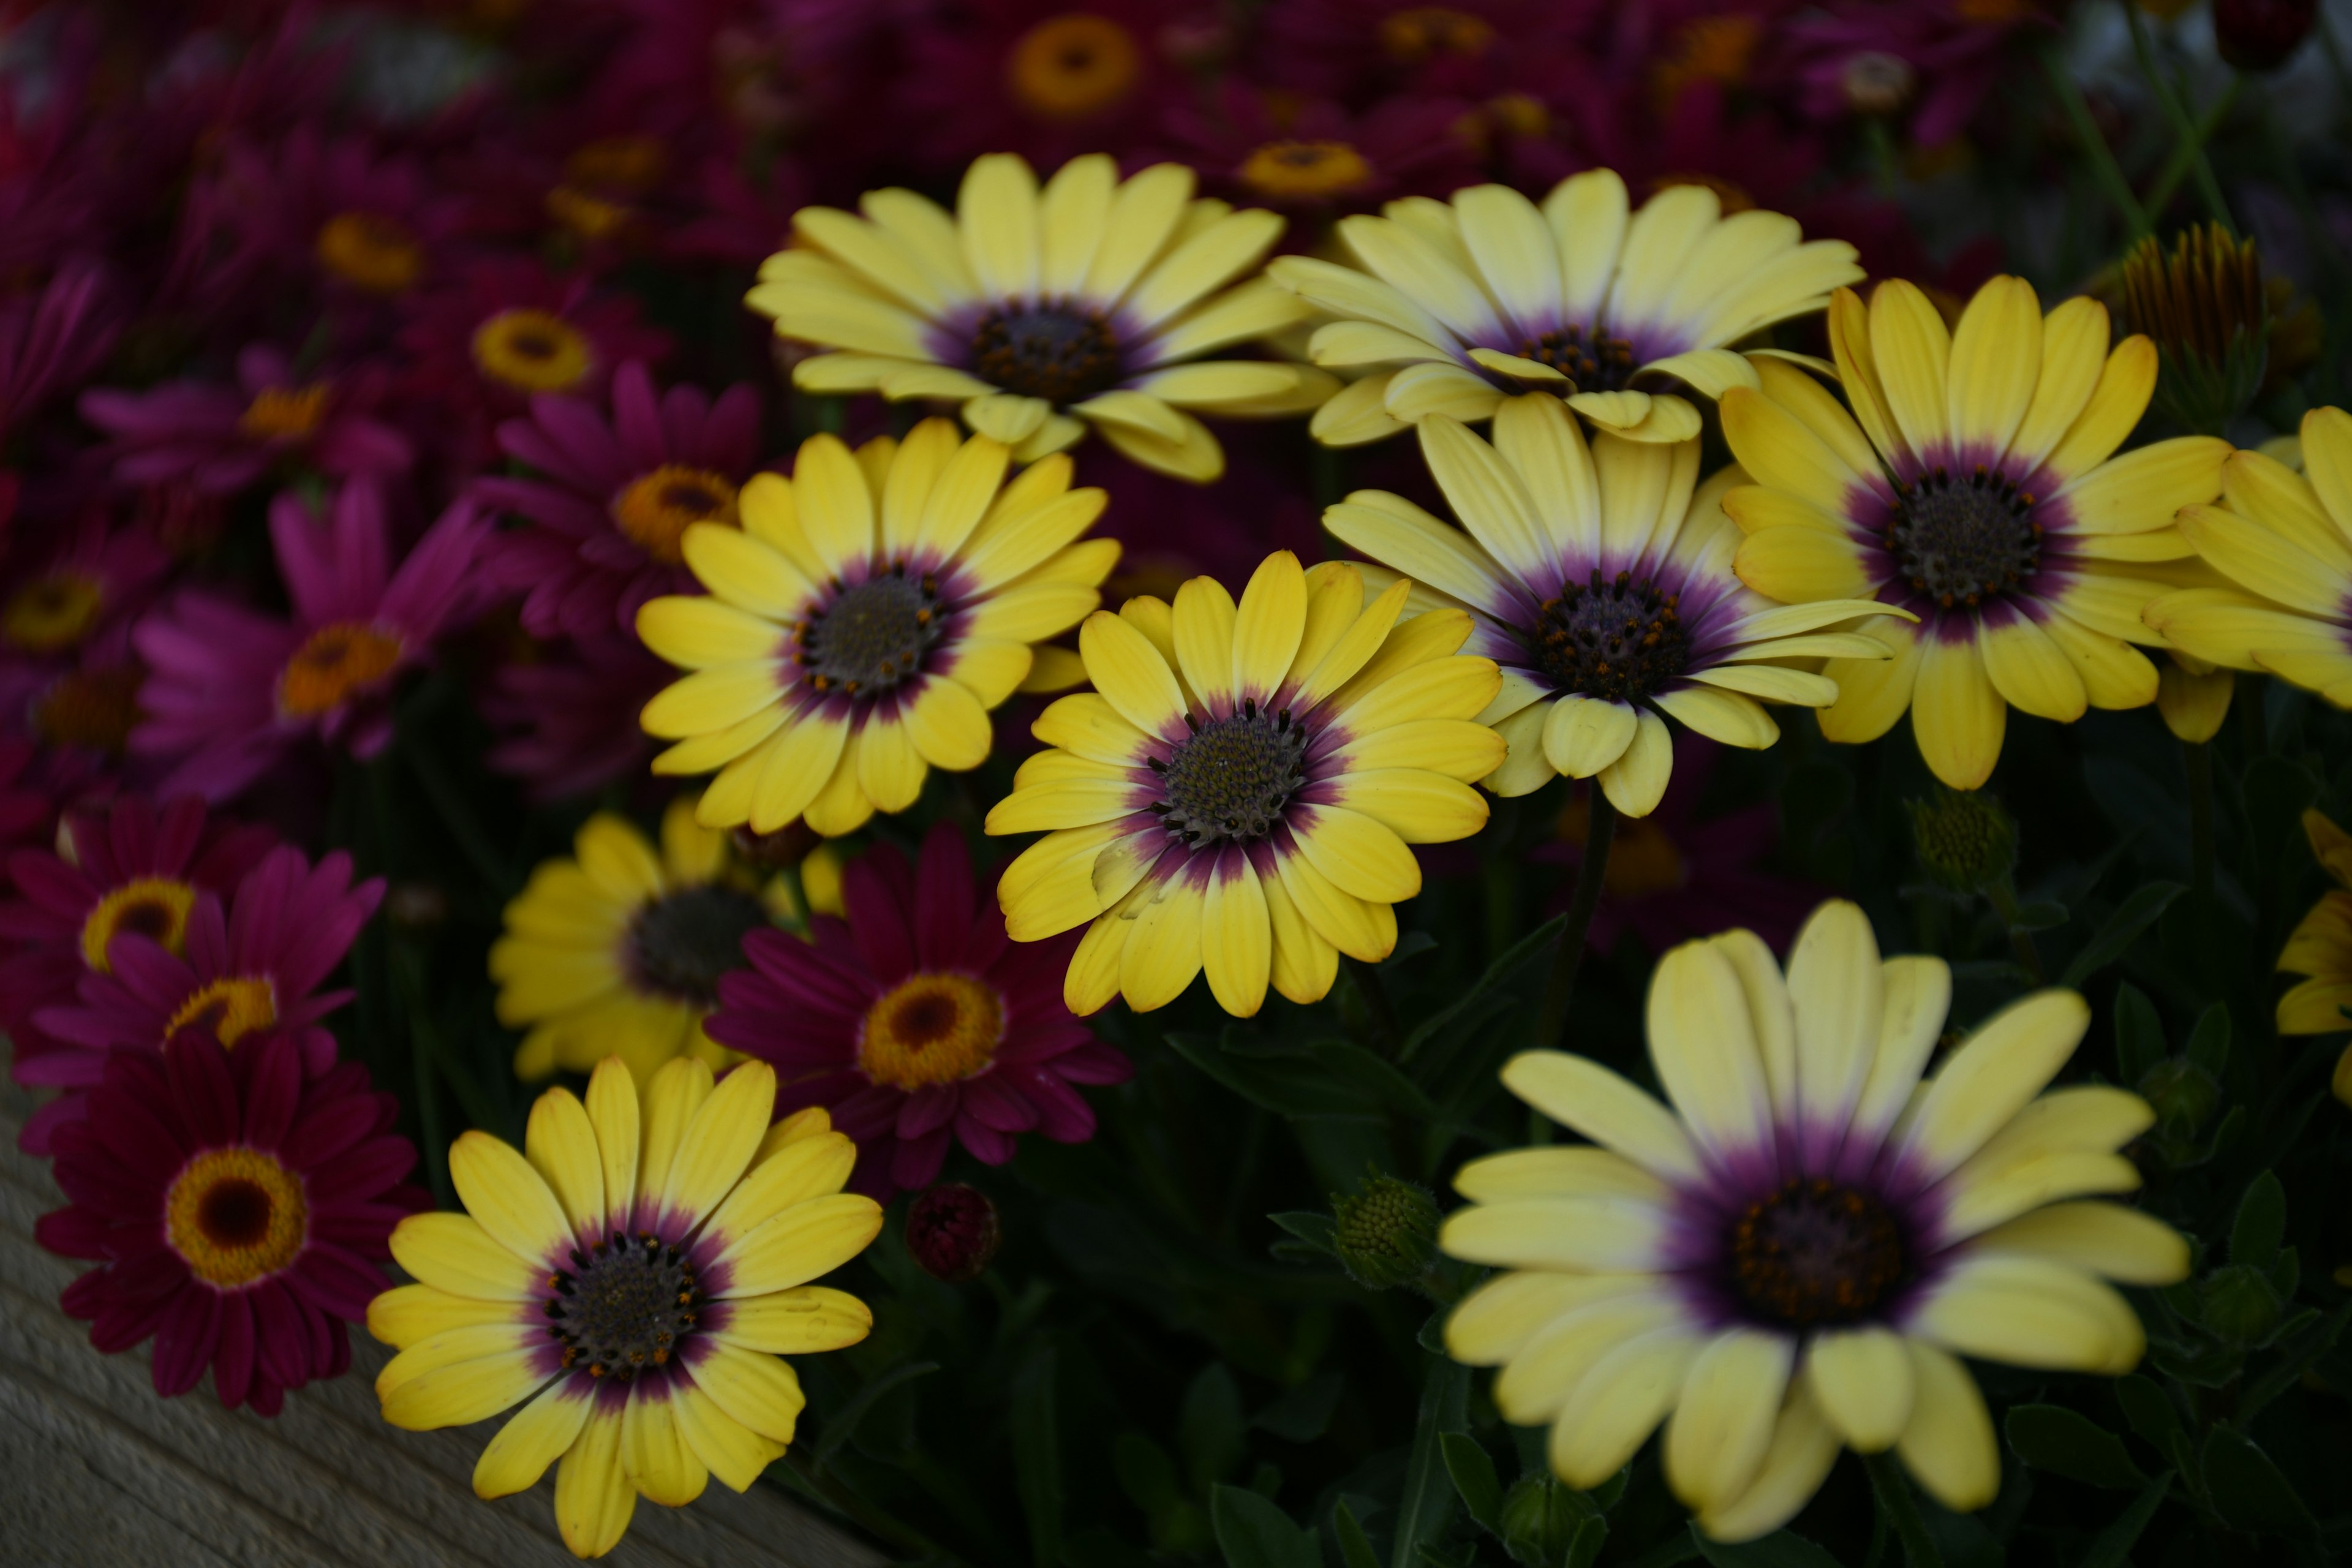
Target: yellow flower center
[[1519, 114], [1411, 37], [285, 414], [369, 251], [92, 708], [1643, 859], [53, 612], [1297, 169], [618, 163], [228, 1009], [656, 509], [588, 216], [533, 351], [336, 661], [236, 1216], [153, 907], [933, 1028], [1071, 66]]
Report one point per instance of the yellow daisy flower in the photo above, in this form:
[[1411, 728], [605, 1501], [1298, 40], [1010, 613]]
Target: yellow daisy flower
[[1459, 304], [630, 1280], [863, 621], [1599, 579], [1044, 312], [1793, 1254], [617, 949], [1238, 791], [1978, 490], [2281, 542], [2321, 948]]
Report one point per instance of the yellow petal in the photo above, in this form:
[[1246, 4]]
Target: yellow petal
[[537, 1434], [594, 1498], [1956, 714]]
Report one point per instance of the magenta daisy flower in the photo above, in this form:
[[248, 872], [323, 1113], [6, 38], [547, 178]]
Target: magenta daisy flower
[[1317, 158], [369, 225], [567, 719], [1933, 61], [220, 439], [916, 1022], [507, 329], [232, 691], [1047, 79], [50, 341], [246, 969], [65, 596], [614, 497], [238, 1214], [127, 868]]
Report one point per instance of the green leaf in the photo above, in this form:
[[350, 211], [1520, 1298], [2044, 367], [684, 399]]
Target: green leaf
[[1387, 1087], [1209, 1429], [2045, 914], [1473, 1470], [1778, 1550], [2066, 1443], [841, 1425], [2112, 1548], [1255, 1533], [1314, 1229], [1515, 958], [2139, 1034], [1355, 1549], [2150, 1413], [1302, 1414], [1590, 1536], [2123, 928], [1146, 1474], [2209, 1042], [1428, 1492], [2296, 1358], [1289, 1082], [1410, 946], [2261, 1225], [2248, 1490], [1037, 1457]]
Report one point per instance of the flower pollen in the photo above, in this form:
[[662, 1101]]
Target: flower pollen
[[1591, 363], [153, 907], [285, 413], [1816, 1254], [1620, 641], [931, 1028], [679, 945], [369, 251], [1299, 171], [533, 351], [1423, 32], [1231, 778], [1060, 352], [1963, 541], [228, 1009], [53, 612], [625, 1307], [337, 660], [236, 1216], [656, 509], [1072, 65], [871, 635]]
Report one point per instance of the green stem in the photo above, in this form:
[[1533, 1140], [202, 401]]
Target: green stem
[[2176, 167], [1895, 1505], [2101, 157], [2198, 759], [1882, 163], [2184, 131], [1552, 1027], [428, 1129], [1388, 1025], [449, 805], [2003, 899]]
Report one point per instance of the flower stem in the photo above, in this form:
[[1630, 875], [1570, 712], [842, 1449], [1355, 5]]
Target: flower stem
[[1388, 1025], [2198, 759], [1893, 1489], [2003, 899], [2108, 173], [2186, 141], [2176, 167], [1568, 955]]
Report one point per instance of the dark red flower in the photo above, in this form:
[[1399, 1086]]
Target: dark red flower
[[952, 1232], [219, 439]]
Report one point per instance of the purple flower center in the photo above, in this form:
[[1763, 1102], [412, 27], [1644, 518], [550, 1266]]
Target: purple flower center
[[1229, 780], [625, 1305], [1594, 361], [1816, 1254], [1962, 541], [683, 943], [1058, 353], [1621, 640], [873, 635]]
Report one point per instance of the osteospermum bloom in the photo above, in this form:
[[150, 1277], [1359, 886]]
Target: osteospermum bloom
[[1978, 490], [238, 1214], [232, 691], [1086, 304], [2281, 540], [916, 1024], [1600, 579], [1045, 79], [2321, 948], [617, 950], [1793, 1254], [615, 497], [246, 971], [1315, 158], [1455, 306], [508, 329], [219, 439], [630, 1280], [1238, 792], [566, 715], [862, 621], [84, 584]]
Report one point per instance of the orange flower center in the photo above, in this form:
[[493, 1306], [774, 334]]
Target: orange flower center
[[369, 251], [656, 509], [1994, 13], [589, 215], [1071, 66], [1519, 114], [228, 1009], [153, 907], [285, 414], [533, 351], [1297, 169], [236, 1216], [1413, 36], [1707, 49], [92, 708], [53, 612], [338, 660], [933, 1028], [618, 163], [1643, 859]]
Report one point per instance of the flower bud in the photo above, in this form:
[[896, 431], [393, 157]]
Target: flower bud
[[952, 1232], [2182, 1093], [2193, 697], [2259, 35], [1965, 839], [1876, 83], [2240, 1304], [1386, 1233], [2206, 307], [1543, 1513]]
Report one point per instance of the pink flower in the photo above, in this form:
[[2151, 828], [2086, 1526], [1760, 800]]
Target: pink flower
[[245, 972], [1353, 49], [567, 721], [1937, 58], [616, 498], [221, 438], [1172, 530], [51, 341], [1047, 78], [916, 1021], [239, 1215], [232, 691], [1256, 149]]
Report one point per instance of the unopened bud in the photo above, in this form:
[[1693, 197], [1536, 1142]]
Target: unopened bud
[[2259, 35], [2182, 1093], [952, 1232], [2205, 306], [1876, 83], [1386, 1234], [1541, 1513], [2240, 1304], [1965, 839], [2193, 701]]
